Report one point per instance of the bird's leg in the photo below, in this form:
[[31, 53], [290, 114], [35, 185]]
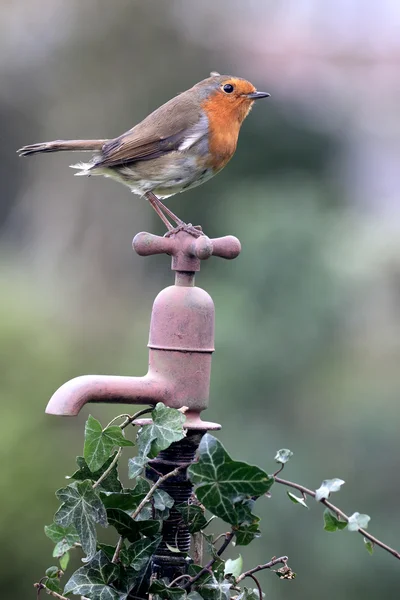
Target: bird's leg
[[160, 209], [163, 208], [153, 200]]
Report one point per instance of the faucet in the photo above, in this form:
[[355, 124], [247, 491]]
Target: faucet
[[181, 339]]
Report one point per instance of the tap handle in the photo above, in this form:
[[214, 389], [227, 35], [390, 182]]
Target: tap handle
[[186, 250]]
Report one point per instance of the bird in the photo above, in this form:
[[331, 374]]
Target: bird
[[179, 146]]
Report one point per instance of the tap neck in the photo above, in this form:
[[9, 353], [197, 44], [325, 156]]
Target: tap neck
[[184, 278]]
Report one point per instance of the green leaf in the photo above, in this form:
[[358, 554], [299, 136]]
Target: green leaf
[[369, 546], [331, 523], [166, 428], [216, 590], [234, 567], [327, 487], [64, 560], [129, 528], [53, 572], [82, 507], [193, 516], [194, 596], [94, 579], [244, 534], [162, 500], [100, 443], [222, 483], [297, 499], [64, 538], [249, 594], [283, 456], [136, 466], [110, 484], [53, 585], [160, 587], [140, 552], [357, 521]]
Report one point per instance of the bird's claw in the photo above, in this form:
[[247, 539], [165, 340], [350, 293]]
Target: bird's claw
[[194, 230]]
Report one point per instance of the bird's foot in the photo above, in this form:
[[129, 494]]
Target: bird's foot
[[194, 230]]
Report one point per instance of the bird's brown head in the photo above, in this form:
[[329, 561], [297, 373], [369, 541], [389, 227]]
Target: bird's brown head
[[231, 98]]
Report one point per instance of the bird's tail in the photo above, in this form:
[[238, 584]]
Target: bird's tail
[[61, 146]]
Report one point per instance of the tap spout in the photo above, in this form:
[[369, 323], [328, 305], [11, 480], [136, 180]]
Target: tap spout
[[74, 394]]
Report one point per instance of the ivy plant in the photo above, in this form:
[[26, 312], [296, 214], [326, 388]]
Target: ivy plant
[[224, 489]]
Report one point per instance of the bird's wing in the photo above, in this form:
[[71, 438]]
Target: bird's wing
[[177, 124]]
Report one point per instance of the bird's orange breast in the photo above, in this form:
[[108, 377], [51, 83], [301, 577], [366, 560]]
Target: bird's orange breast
[[224, 121]]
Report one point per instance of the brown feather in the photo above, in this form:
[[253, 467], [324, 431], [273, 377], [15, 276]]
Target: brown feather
[[161, 132]]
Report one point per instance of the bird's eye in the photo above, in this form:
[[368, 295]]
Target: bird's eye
[[228, 88]]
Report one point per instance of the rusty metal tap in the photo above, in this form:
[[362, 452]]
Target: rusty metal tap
[[181, 340]]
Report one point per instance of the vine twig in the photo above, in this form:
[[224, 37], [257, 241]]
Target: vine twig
[[335, 509], [42, 586], [117, 550], [130, 420], [260, 593], [274, 561], [206, 569], [144, 501], [108, 470]]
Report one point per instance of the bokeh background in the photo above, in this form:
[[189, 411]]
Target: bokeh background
[[308, 317]]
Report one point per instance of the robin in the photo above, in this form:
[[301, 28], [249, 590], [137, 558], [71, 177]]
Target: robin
[[180, 145]]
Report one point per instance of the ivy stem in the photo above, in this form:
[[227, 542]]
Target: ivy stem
[[279, 470], [42, 586], [260, 593], [275, 561], [174, 581], [126, 415], [155, 486], [340, 513], [108, 470], [117, 550], [130, 420], [144, 501], [206, 569]]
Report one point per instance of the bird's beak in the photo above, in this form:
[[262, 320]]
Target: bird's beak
[[257, 95]]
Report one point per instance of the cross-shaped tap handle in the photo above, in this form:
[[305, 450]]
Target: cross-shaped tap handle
[[186, 251]]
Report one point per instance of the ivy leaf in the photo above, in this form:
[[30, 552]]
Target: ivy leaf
[[222, 483], [369, 546], [297, 499], [331, 523], [64, 560], [136, 466], [110, 484], [140, 552], [233, 567], [249, 594], [216, 590], [162, 500], [283, 456], [166, 428], [244, 534], [160, 587], [94, 579], [327, 487], [82, 507], [53, 572], [53, 585], [100, 443], [193, 516], [129, 528], [357, 521], [65, 538], [194, 596]]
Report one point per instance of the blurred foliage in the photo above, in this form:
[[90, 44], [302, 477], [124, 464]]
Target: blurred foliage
[[307, 318]]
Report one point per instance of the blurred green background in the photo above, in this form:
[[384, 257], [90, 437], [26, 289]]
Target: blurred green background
[[308, 317]]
